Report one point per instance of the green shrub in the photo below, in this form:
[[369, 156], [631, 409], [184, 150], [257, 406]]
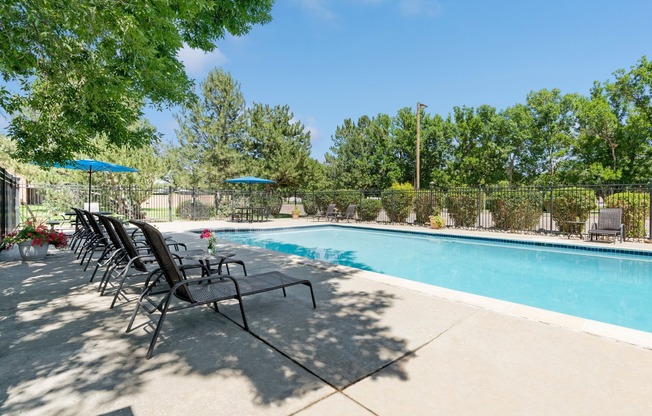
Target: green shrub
[[309, 201], [275, 202], [397, 201], [421, 205], [636, 208], [514, 208], [570, 204], [463, 207], [201, 211], [369, 209], [346, 197], [314, 202]]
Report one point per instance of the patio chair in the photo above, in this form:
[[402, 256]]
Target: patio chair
[[609, 224], [98, 240], [133, 256], [329, 214], [82, 232], [204, 290], [348, 215]]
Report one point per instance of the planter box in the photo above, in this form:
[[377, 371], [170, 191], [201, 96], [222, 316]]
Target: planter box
[[29, 252]]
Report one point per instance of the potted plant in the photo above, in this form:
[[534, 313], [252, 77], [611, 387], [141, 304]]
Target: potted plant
[[33, 240], [437, 221], [295, 213]]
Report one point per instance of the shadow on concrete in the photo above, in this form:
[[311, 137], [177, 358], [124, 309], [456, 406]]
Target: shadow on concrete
[[62, 349]]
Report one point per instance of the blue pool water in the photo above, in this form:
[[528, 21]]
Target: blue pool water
[[602, 286]]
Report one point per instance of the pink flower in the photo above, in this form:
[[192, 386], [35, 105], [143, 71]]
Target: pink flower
[[206, 234]]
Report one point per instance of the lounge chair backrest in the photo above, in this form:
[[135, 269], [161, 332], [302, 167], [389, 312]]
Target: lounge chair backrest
[[93, 223], [126, 242], [350, 211], [115, 240], [610, 219], [81, 217], [164, 258], [330, 209]]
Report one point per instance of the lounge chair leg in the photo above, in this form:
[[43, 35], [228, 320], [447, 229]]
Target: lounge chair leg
[[97, 266], [133, 315], [285, 295], [157, 331], [118, 291], [242, 312], [312, 295]]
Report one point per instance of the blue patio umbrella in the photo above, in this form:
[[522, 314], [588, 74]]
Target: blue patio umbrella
[[250, 180], [90, 166]]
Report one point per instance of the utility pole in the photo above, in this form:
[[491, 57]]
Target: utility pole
[[417, 185]]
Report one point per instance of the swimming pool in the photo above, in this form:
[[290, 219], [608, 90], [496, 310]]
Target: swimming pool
[[600, 285]]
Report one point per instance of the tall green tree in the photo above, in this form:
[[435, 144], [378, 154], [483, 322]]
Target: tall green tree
[[515, 135], [80, 69], [404, 144], [279, 147], [552, 122], [361, 156], [211, 134], [436, 149], [596, 152], [478, 157], [630, 97]]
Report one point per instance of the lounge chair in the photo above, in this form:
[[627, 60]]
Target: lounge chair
[[348, 215], [329, 214], [204, 290], [609, 223]]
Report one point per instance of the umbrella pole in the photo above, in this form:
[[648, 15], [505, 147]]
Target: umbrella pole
[[90, 179]]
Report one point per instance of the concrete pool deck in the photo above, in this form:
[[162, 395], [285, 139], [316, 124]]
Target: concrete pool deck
[[374, 345]]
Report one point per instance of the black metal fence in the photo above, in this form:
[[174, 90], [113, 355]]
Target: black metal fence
[[8, 201], [551, 209]]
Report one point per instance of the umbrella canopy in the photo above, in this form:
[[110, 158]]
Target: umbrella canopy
[[90, 166], [249, 179]]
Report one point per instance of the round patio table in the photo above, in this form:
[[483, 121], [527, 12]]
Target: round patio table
[[205, 259]]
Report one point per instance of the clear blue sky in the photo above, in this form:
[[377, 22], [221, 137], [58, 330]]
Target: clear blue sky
[[335, 59]]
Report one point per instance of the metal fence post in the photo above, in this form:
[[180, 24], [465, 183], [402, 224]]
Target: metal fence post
[[479, 210], [193, 214], [393, 207], [170, 203], [552, 207], [4, 212], [650, 217]]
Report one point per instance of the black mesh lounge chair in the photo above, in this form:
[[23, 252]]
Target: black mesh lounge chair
[[129, 258], [85, 234], [81, 231], [609, 223], [99, 240], [348, 215], [199, 291], [329, 214]]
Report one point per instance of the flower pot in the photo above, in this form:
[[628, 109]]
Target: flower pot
[[295, 216], [29, 252]]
